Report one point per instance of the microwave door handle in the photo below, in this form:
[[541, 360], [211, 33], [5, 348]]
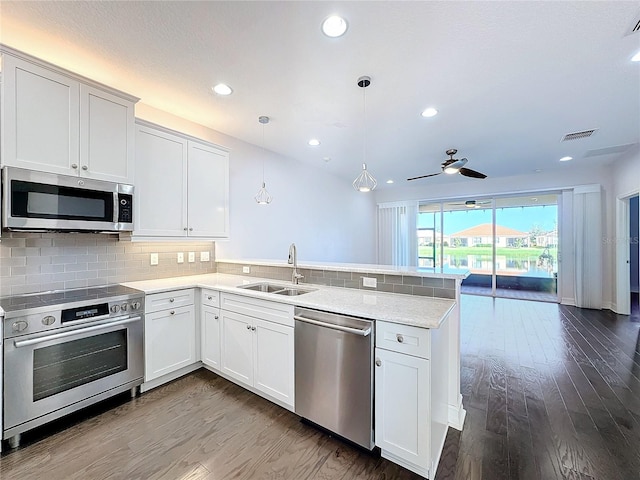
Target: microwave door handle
[[71, 333], [116, 208]]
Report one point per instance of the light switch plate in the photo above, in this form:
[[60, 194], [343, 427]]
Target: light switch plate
[[204, 256], [369, 282], [154, 259], [246, 269], [180, 257], [192, 257]]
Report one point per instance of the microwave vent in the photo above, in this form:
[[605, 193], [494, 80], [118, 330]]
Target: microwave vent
[[578, 135]]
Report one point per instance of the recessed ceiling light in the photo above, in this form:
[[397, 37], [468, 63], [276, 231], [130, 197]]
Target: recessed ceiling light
[[636, 57], [429, 112], [222, 89], [314, 142], [566, 159], [334, 26], [537, 170], [389, 181], [326, 159]]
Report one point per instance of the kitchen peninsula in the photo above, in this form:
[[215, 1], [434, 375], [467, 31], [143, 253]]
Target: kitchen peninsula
[[417, 351]]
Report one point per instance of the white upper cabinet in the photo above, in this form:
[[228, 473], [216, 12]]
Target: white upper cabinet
[[161, 180], [208, 191], [182, 186], [58, 122], [107, 133]]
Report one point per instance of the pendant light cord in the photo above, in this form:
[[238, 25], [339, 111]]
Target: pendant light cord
[[263, 154], [364, 136]]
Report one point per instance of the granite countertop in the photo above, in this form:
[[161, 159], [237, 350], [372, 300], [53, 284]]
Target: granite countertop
[[445, 272], [423, 312]]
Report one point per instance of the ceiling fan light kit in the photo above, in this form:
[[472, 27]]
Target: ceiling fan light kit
[[453, 165], [365, 182]]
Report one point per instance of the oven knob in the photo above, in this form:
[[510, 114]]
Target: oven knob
[[135, 305], [48, 320], [20, 326], [124, 307], [115, 308]]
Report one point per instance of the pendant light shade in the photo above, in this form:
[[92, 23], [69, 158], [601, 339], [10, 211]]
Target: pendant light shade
[[365, 182], [263, 197]]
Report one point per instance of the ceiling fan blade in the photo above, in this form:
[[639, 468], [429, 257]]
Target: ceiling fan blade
[[467, 172], [424, 176]]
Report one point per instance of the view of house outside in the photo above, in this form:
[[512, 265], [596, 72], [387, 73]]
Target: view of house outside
[[526, 239]]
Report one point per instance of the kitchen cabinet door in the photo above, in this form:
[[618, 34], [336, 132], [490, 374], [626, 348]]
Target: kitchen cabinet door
[[236, 356], [40, 129], [170, 341], [161, 182], [210, 332], [274, 360], [402, 407], [208, 191], [106, 136]]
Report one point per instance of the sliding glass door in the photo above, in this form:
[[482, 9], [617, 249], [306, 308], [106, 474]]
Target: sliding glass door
[[509, 244]]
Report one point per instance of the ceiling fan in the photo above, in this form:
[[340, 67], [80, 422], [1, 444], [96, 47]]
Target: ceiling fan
[[472, 203], [453, 165]]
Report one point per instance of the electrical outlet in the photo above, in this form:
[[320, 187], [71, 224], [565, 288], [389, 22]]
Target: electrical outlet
[[204, 256], [180, 257], [246, 269], [369, 282], [192, 257], [154, 259]]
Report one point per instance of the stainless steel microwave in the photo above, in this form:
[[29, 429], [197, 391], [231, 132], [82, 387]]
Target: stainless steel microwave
[[39, 201]]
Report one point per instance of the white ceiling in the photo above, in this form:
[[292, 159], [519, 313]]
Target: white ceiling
[[509, 78]]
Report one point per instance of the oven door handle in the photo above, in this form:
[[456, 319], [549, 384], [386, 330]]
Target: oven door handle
[[71, 333], [356, 331]]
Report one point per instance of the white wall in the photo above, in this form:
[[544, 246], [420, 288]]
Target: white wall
[[326, 218], [561, 179]]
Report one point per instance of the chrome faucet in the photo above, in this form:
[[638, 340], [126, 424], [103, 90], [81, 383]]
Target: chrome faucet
[[293, 260]]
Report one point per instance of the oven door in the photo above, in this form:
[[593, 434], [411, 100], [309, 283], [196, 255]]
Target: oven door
[[48, 372]]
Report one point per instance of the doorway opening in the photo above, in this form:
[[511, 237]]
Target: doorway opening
[[634, 261]]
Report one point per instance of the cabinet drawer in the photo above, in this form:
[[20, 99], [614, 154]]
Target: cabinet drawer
[[210, 298], [404, 339], [161, 301], [255, 307]]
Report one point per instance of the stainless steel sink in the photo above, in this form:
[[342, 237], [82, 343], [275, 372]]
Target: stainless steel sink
[[266, 287]]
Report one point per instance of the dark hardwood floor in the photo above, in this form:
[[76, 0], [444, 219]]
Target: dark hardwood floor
[[551, 392]]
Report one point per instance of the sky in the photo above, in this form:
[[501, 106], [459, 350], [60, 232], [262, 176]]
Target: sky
[[519, 218]]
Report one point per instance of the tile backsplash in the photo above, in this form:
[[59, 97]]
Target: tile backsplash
[[407, 284], [36, 262]]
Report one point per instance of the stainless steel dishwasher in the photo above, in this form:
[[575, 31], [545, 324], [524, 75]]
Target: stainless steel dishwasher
[[334, 373]]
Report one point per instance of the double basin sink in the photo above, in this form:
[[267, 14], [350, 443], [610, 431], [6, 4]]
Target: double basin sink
[[266, 287]]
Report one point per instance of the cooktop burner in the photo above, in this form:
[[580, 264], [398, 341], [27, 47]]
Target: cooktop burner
[[48, 299]]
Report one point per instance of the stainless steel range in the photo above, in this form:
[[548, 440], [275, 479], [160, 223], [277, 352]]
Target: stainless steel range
[[66, 350]]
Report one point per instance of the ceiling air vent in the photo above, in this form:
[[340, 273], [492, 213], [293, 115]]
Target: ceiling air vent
[[578, 135]]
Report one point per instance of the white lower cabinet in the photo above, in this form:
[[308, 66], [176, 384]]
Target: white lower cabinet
[[255, 352], [210, 336], [169, 336], [402, 406], [411, 394]]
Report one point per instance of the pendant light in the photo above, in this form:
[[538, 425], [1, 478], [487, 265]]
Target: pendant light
[[263, 197], [365, 181]]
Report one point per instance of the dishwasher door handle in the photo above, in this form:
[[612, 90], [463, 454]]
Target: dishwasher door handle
[[355, 331]]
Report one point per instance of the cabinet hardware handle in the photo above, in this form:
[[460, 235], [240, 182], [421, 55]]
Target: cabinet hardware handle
[[172, 312], [191, 229], [253, 329], [248, 327], [84, 167], [378, 362], [185, 229], [216, 317], [172, 300], [400, 338], [209, 297], [74, 165]]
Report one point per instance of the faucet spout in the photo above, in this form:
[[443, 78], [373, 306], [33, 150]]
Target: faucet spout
[[293, 260]]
